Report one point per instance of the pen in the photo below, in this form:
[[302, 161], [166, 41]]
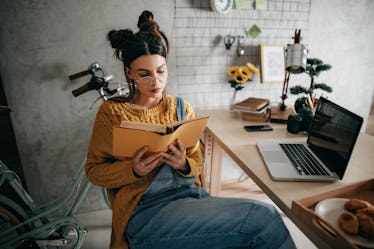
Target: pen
[[310, 101]]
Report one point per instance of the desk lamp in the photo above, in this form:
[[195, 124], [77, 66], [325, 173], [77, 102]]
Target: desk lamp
[[295, 56]]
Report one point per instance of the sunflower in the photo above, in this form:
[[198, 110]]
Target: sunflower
[[232, 70], [252, 68], [240, 75]]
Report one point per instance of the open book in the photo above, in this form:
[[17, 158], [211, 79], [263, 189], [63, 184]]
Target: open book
[[129, 137]]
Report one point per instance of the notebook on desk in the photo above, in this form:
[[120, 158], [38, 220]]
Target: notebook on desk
[[331, 139]]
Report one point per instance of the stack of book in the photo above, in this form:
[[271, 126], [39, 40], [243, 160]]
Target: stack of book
[[254, 109]]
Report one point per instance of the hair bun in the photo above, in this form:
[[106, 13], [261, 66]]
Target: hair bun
[[148, 40], [118, 37], [145, 16]]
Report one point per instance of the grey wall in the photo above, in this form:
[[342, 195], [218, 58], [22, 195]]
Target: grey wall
[[42, 42]]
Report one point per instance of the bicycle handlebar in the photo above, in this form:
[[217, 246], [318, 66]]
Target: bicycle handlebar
[[80, 74], [94, 84], [99, 83], [80, 90]]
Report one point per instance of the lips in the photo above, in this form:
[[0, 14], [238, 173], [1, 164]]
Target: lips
[[156, 90]]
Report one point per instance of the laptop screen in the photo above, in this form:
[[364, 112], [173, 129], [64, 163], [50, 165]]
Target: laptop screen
[[333, 134]]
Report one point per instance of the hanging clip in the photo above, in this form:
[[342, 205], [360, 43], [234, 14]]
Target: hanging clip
[[240, 49], [229, 40]]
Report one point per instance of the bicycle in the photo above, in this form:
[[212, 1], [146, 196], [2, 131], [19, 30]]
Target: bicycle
[[25, 224]]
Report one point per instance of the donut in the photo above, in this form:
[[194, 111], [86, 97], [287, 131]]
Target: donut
[[355, 204], [348, 222], [368, 210], [366, 225]]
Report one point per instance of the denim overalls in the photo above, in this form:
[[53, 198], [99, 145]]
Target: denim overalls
[[175, 213]]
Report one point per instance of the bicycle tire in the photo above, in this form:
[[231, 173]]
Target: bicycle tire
[[9, 218]]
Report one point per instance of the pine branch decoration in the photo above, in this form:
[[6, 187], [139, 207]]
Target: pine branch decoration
[[314, 68]]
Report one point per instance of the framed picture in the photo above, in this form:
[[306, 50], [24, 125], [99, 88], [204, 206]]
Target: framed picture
[[272, 67]]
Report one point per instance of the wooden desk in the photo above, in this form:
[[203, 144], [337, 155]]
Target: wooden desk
[[225, 133]]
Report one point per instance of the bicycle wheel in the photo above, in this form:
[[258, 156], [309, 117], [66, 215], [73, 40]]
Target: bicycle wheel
[[11, 214], [8, 218]]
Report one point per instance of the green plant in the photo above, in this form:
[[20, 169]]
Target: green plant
[[314, 67]]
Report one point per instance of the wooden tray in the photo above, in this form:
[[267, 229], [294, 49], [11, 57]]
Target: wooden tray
[[304, 210]]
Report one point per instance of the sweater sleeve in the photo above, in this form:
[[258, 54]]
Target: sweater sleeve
[[101, 168]]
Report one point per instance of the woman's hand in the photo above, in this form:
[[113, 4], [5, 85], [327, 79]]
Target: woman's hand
[[176, 157], [143, 163]]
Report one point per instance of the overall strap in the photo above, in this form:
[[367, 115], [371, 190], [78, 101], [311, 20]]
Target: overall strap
[[180, 109]]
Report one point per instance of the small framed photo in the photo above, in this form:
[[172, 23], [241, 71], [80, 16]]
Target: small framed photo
[[272, 66]]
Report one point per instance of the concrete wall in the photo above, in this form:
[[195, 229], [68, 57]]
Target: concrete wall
[[42, 42]]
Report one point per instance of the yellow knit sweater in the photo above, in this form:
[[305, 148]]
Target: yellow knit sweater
[[115, 174]]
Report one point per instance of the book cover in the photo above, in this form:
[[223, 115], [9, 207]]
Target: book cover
[[129, 138], [252, 104]]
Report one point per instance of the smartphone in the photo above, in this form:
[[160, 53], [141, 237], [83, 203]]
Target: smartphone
[[258, 128]]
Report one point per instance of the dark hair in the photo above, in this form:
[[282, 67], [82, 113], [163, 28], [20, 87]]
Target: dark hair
[[148, 40], [128, 46]]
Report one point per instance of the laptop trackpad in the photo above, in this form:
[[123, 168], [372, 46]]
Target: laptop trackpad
[[275, 156]]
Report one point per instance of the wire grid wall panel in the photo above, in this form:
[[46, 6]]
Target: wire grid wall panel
[[201, 56]]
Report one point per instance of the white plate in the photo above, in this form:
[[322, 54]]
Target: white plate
[[330, 210]]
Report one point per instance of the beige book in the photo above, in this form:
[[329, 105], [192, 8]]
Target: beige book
[[129, 137]]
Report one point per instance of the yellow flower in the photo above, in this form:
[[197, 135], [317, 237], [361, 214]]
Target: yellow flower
[[252, 68], [241, 74], [232, 70], [246, 72]]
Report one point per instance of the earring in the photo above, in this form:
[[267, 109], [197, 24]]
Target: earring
[[132, 82]]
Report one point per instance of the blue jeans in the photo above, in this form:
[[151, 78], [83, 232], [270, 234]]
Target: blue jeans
[[175, 213]]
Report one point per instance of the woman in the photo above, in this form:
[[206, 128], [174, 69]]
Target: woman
[[156, 198]]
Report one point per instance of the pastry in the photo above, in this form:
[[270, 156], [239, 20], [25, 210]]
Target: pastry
[[368, 210], [366, 225], [348, 222], [355, 204]]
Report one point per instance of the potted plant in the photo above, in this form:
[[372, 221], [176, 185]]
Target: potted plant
[[314, 67]]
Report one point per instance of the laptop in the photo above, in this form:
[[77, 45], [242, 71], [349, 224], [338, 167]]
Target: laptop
[[331, 138]]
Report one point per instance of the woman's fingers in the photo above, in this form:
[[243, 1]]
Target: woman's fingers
[[176, 156], [143, 165]]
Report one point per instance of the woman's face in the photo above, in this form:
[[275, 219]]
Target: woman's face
[[149, 73]]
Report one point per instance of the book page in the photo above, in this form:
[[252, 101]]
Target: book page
[[159, 128], [144, 126]]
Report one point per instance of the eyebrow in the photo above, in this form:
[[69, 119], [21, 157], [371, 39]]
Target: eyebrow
[[143, 69]]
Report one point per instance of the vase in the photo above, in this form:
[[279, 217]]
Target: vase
[[300, 105], [232, 101]]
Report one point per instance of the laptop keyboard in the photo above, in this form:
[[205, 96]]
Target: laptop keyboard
[[303, 160]]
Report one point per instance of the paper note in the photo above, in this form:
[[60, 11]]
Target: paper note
[[254, 31], [242, 4], [260, 4]]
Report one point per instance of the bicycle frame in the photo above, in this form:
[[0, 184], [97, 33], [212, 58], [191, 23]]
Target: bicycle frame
[[37, 221], [37, 218]]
